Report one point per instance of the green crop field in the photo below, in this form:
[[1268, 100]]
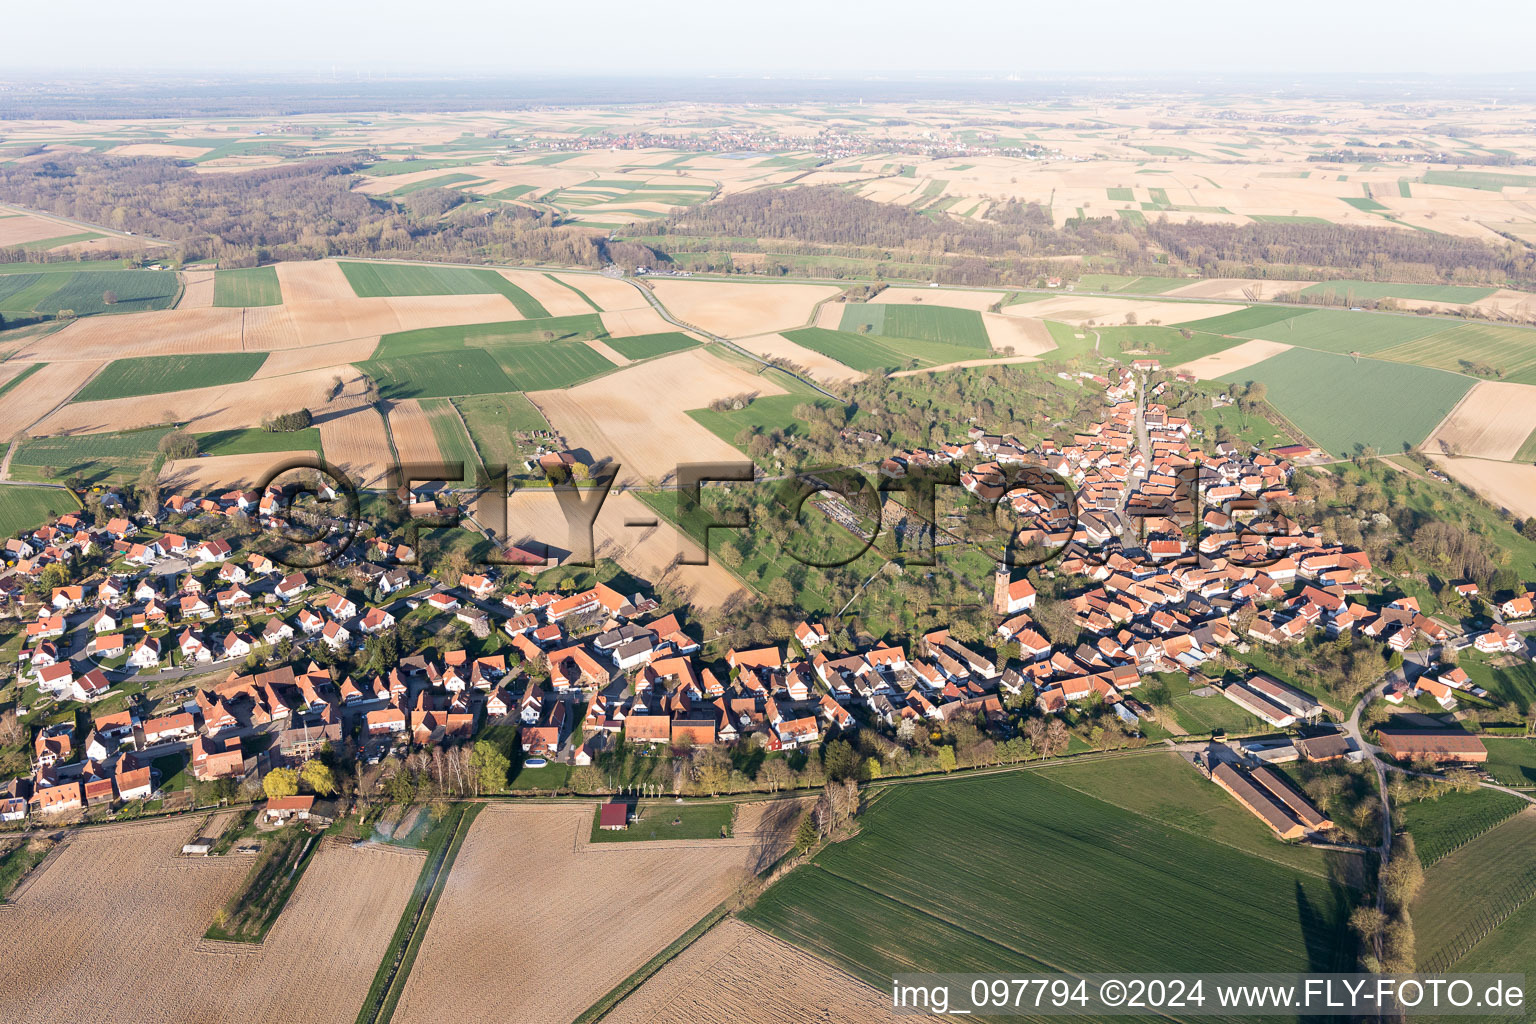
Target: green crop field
[[871, 353], [1342, 404], [1243, 320], [373, 280], [644, 346], [1162, 786], [1128, 285], [1339, 330], [493, 420], [27, 508], [1167, 343], [1464, 890], [1479, 179], [943, 324], [1510, 350], [1281, 218], [1020, 873], [1364, 203], [155, 375], [1441, 826], [438, 375], [1369, 290], [449, 433], [1512, 761], [256, 286], [585, 326], [455, 180], [86, 291], [1527, 452], [570, 287], [543, 367], [97, 457], [1121, 195], [254, 441]]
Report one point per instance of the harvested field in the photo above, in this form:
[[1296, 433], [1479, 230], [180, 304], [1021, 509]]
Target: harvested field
[[1491, 422], [1026, 336], [666, 887], [158, 149], [355, 441], [317, 281], [196, 289], [75, 962], [411, 428], [959, 298], [1235, 288], [720, 977], [337, 354], [820, 367], [536, 523], [202, 409], [26, 228], [171, 332], [557, 299], [738, 310], [637, 416], [1079, 309], [56, 382], [221, 472], [628, 322], [606, 291], [607, 351], [1507, 485], [1233, 359]]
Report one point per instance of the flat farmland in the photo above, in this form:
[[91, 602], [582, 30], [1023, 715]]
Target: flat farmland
[[1468, 347], [452, 438], [27, 508], [255, 286], [719, 978], [256, 441], [374, 280], [645, 346], [439, 375], [313, 281], [1510, 485], [489, 335], [1239, 321], [1492, 422], [53, 383], [1341, 403], [1512, 761], [1232, 360], [666, 888], [1373, 290], [544, 367], [224, 472], [639, 415], [80, 966], [944, 324], [1343, 331], [735, 310], [873, 353], [354, 440], [97, 457], [411, 428], [89, 291], [155, 375], [1483, 877], [1441, 825], [817, 365], [1107, 310], [904, 896], [197, 289]]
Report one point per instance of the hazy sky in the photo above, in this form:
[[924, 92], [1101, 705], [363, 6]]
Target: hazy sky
[[792, 37]]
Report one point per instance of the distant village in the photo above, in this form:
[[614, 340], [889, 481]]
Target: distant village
[[116, 606]]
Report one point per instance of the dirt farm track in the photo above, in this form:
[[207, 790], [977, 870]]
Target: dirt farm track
[[111, 931]]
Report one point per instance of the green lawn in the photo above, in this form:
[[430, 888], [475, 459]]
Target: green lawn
[[644, 346], [1512, 761], [254, 441], [27, 508], [586, 326], [97, 457], [1343, 404], [1443, 825], [439, 375], [662, 819], [1019, 873], [494, 419], [1515, 684], [156, 375], [18, 860], [87, 291], [765, 413], [371, 280], [256, 286]]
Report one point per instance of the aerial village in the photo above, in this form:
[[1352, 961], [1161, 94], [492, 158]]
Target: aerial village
[[117, 608]]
